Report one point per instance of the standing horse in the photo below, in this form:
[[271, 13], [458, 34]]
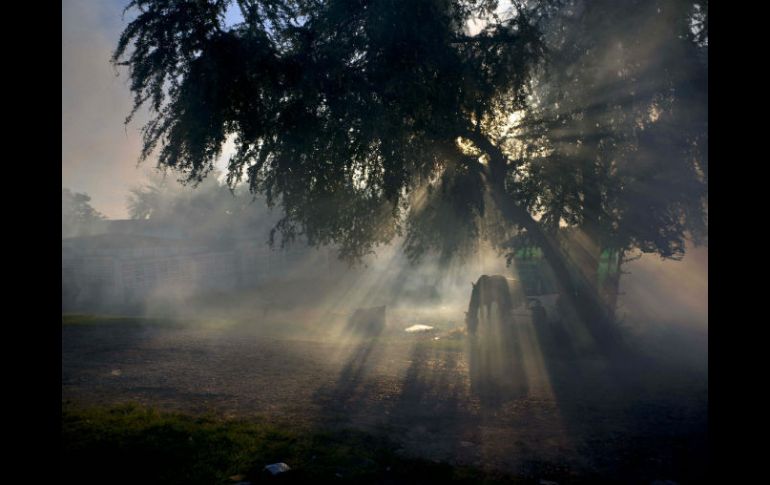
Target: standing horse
[[507, 293], [496, 354]]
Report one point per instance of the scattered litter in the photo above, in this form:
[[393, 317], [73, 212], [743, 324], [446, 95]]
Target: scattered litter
[[277, 468], [116, 372], [436, 338], [419, 328]]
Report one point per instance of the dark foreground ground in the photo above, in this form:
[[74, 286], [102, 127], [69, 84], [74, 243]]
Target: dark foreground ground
[[535, 412]]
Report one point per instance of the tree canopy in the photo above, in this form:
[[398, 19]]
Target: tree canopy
[[621, 125], [340, 110], [442, 121], [210, 209]]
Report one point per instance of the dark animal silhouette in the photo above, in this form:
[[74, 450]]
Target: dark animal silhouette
[[367, 321], [507, 293]]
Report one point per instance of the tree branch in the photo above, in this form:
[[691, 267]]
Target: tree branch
[[588, 306]]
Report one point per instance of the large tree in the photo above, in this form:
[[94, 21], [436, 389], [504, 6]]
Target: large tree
[[365, 120], [617, 140]]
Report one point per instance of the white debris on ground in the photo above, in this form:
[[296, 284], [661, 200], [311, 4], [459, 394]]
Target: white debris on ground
[[418, 328], [277, 468]]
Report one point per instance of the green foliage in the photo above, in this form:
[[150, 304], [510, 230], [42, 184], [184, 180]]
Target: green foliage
[[81, 319], [211, 208], [621, 125], [447, 219], [339, 109], [134, 444], [349, 115]]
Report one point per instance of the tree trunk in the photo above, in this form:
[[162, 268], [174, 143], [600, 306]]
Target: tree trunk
[[589, 244], [612, 283], [586, 303]]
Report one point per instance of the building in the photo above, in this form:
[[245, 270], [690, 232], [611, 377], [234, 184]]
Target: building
[[126, 262]]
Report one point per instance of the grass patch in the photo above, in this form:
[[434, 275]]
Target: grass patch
[[135, 444], [83, 319], [134, 321]]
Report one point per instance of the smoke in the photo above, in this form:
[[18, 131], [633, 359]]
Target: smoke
[[201, 251], [664, 290]]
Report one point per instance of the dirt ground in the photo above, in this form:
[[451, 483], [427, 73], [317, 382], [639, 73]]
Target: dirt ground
[[442, 399]]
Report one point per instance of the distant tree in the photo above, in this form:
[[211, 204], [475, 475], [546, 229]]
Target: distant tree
[[145, 201], [368, 120], [211, 209], [76, 213]]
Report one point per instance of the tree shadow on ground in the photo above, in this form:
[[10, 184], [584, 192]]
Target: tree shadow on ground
[[535, 404], [496, 362], [632, 416]]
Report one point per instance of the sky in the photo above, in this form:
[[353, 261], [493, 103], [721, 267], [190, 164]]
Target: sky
[[99, 152]]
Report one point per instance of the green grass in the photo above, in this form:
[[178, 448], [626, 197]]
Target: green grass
[[83, 319], [134, 444], [77, 319]]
